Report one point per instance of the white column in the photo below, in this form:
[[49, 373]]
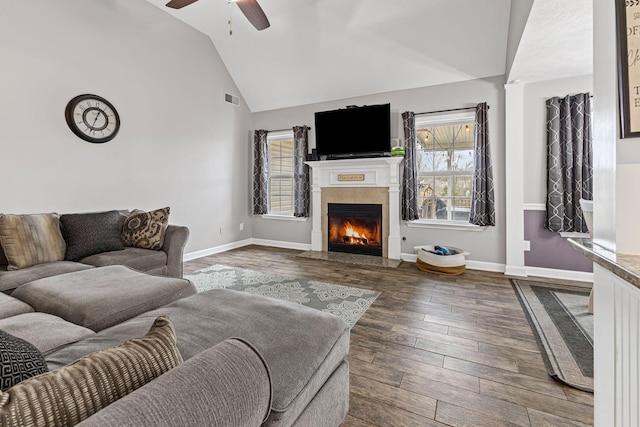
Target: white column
[[316, 209], [514, 177], [394, 210]]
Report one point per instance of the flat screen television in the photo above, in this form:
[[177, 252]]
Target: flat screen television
[[354, 132]]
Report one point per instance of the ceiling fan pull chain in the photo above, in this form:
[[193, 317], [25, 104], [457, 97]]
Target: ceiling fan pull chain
[[229, 20]]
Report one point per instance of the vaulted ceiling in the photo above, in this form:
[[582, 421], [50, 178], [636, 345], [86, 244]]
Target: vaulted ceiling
[[322, 50]]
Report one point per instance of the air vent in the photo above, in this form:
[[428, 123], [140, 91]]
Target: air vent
[[231, 99]]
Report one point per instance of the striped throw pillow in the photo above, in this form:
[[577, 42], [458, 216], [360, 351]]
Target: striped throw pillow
[[68, 395]]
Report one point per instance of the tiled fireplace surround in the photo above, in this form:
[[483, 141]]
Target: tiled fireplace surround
[[372, 180]]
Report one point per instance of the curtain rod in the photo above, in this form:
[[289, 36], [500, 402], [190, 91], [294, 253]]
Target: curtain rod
[[285, 130], [451, 109]]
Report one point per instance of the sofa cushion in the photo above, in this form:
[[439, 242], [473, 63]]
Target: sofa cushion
[[136, 258], [46, 332], [145, 229], [70, 394], [19, 360], [31, 239], [10, 306], [101, 297], [302, 346], [10, 280], [225, 385], [91, 233]]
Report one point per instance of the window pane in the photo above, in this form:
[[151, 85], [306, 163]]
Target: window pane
[[281, 176], [462, 160], [445, 165]]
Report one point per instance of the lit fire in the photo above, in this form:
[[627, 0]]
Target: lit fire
[[353, 235], [351, 232]]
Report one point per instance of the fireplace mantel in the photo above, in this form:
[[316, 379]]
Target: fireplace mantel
[[357, 174]]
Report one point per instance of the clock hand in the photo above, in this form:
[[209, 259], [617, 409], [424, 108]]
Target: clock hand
[[95, 119]]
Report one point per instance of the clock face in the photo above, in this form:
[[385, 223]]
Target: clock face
[[92, 118]]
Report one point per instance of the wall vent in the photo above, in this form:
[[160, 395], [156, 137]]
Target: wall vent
[[231, 99]]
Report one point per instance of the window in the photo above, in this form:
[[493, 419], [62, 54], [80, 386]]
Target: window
[[280, 173], [444, 164]]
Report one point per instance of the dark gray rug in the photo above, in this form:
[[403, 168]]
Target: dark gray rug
[[563, 329], [346, 302]]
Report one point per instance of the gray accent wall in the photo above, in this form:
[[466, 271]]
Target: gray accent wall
[[180, 145], [548, 248]]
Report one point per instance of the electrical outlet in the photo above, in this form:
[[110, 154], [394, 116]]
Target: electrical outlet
[[221, 230], [241, 226], [527, 245]]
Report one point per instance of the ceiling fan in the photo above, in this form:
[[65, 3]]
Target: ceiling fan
[[250, 8]]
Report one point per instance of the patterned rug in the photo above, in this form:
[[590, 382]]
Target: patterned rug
[[563, 329], [346, 302]]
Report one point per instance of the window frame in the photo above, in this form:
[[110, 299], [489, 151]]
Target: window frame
[[435, 120], [279, 136]]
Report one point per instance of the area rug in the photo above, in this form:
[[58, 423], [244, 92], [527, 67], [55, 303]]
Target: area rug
[[563, 329], [346, 302]]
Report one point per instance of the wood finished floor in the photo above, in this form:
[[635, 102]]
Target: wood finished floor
[[434, 350]]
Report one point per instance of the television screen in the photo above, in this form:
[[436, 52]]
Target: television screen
[[354, 131]]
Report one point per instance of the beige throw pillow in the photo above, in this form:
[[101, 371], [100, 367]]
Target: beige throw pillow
[[31, 239], [68, 395], [145, 230]]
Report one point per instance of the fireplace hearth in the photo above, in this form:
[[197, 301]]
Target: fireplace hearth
[[355, 228]]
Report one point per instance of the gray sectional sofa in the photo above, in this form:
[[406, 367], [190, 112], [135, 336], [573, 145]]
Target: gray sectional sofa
[[167, 261], [248, 359]]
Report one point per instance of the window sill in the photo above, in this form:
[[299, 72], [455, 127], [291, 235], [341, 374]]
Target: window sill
[[444, 225], [284, 217], [574, 234]]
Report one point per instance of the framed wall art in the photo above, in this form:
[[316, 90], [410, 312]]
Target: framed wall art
[[628, 39]]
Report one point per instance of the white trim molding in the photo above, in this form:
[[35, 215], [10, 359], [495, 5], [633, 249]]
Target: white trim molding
[[552, 273], [534, 207], [241, 243], [216, 250], [444, 225], [283, 217]]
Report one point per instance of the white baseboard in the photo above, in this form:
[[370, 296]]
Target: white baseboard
[[551, 273], [470, 264], [511, 270], [216, 250], [239, 244]]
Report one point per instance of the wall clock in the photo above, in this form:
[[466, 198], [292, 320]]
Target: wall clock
[[92, 118]]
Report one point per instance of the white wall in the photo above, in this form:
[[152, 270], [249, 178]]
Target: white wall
[[486, 246], [535, 130], [179, 144]]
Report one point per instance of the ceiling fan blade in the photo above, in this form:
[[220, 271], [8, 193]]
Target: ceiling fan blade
[[254, 13], [178, 4]]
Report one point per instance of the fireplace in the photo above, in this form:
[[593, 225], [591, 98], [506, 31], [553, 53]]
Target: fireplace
[[355, 228]]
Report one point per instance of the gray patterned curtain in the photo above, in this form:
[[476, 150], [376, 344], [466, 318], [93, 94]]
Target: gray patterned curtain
[[410, 175], [300, 172], [482, 200], [260, 173], [569, 161]]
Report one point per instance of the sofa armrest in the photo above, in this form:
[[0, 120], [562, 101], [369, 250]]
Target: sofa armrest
[[175, 239], [227, 385]]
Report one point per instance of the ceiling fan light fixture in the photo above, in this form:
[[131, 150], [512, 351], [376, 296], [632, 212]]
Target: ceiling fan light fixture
[[249, 8]]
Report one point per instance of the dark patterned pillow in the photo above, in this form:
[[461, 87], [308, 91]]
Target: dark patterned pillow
[[19, 360], [91, 233], [76, 391], [145, 230]]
